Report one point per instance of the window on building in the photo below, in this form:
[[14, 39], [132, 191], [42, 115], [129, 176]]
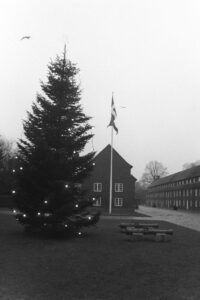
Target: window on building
[[97, 202], [196, 192], [118, 187], [97, 186], [118, 202]]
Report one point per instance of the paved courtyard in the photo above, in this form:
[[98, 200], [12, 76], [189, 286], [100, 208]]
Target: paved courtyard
[[183, 218], [186, 219]]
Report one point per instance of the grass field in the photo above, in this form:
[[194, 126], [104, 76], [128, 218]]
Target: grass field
[[102, 265]]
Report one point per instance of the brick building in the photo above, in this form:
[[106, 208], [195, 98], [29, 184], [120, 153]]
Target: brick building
[[98, 184], [179, 190]]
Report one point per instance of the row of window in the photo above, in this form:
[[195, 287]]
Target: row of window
[[117, 202], [181, 182], [97, 187], [178, 193], [178, 203]]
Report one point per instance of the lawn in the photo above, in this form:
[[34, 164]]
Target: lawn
[[104, 264]]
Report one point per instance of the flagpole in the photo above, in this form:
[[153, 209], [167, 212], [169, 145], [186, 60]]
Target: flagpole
[[112, 124], [111, 172]]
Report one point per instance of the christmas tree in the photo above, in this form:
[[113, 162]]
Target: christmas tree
[[51, 163]]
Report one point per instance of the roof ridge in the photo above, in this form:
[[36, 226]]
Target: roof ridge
[[190, 172], [109, 146]]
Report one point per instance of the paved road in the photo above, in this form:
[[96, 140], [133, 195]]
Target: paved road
[[186, 219]]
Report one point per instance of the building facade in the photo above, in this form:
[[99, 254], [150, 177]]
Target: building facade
[[179, 190], [123, 186]]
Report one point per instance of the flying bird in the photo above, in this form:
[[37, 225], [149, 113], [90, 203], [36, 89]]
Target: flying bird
[[27, 37]]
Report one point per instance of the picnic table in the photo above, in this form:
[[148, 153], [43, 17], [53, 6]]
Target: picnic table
[[123, 226], [144, 231]]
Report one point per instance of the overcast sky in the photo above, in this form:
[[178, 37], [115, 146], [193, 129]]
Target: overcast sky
[[145, 51]]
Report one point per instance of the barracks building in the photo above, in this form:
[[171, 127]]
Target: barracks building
[[179, 190]]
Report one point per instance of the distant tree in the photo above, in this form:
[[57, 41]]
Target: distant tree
[[7, 164], [153, 171], [140, 192], [9, 151], [191, 165]]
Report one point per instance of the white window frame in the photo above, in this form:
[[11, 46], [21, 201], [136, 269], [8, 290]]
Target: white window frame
[[97, 202], [97, 187], [119, 187], [118, 202]]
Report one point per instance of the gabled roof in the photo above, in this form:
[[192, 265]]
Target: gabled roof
[[192, 172], [115, 154]]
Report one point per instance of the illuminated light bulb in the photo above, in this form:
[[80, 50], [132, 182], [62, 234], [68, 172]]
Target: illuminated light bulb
[[24, 215], [66, 185], [76, 205], [39, 214], [45, 201], [13, 192], [66, 225], [79, 233], [21, 168], [89, 218], [93, 199], [93, 164], [14, 211], [13, 170]]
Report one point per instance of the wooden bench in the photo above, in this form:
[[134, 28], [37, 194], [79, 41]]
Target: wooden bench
[[159, 235]]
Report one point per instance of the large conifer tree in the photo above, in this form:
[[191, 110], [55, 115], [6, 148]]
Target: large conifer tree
[[52, 163]]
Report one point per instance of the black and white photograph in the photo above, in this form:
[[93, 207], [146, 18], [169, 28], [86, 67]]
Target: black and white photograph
[[99, 150]]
